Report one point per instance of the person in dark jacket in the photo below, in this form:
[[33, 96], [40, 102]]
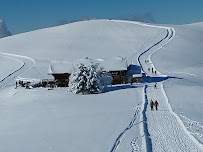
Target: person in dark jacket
[[152, 105], [155, 85]]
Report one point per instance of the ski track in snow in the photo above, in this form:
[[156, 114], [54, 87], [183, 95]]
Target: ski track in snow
[[165, 128], [145, 124], [168, 37], [28, 63], [132, 123], [148, 140], [164, 131]]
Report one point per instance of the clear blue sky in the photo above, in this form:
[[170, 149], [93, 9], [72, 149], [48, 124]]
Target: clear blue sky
[[27, 15]]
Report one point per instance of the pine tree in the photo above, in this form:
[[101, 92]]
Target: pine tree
[[78, 79], [88, 80]]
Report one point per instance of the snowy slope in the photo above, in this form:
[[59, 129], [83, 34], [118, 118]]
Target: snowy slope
[[182, 58], [55, 120], [42, 120], [10, 65], [95, 39]]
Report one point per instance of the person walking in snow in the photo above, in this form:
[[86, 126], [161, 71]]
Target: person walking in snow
[[155, 85], [16, 85], [156, 105], [152, 105]]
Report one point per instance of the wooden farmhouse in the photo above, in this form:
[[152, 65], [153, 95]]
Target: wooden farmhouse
[[117, 66], [62, 70], [134, 73]]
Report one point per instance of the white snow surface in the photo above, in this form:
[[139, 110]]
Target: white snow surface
[[97, 39], [56, 120], [182, 58], [108, 64], [57, 67], [10, 64]]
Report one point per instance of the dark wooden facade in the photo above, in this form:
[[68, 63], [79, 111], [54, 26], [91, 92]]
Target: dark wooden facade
[[118, 77], [62, 79], [136, 79]]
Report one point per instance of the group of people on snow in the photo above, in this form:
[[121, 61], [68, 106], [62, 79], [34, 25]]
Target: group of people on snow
[[153, 71], [154, 103]]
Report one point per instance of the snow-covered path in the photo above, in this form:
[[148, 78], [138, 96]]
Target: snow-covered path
[[164, 127], [166, 130], [27, 63]]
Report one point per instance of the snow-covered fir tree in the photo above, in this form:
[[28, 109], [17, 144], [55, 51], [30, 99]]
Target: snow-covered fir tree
[[93, 79], [89, 80], [78, 79]]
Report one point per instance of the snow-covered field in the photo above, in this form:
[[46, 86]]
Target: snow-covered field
[[55, 120], [182, 58], [10, 65], [119, 120]]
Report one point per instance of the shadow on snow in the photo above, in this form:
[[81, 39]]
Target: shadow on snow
[[121, 87], [144, 80], [157, 79]]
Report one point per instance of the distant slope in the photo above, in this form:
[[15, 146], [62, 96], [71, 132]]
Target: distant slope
[[195, 26], [3, 29], [94, 39]]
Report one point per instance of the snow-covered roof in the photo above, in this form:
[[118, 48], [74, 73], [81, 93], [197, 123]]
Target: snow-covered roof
[[58, 67], [133, 69], [32, 80], [110, 64], [113, 64]]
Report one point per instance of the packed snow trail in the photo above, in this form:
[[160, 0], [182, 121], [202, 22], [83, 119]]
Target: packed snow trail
[[145, 124], [149, 49], [166, 130], [146, 55], [144, 121], [27, 64]]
